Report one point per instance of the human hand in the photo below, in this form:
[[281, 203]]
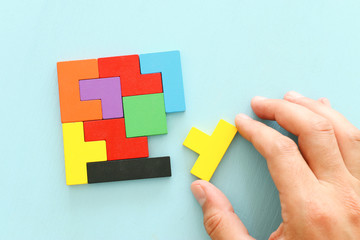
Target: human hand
[[318, 181]]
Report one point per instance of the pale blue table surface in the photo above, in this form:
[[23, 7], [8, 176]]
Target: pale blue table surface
[[230, 51]]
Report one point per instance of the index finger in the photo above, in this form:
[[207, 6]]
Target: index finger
[[287, 167]]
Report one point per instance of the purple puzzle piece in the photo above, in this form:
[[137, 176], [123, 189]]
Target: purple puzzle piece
[[108, 90]]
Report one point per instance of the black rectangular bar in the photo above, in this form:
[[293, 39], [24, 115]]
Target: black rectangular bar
[[128, 169]]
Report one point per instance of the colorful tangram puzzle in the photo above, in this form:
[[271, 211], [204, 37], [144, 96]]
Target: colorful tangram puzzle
[[109, 107]]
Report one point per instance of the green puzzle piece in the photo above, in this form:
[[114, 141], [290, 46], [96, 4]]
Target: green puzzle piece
[[145, 115]]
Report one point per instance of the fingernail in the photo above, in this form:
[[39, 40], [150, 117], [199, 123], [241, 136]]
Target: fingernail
[[293, 95], [325, 101], [244, 116], [199, 194], [259, 98]]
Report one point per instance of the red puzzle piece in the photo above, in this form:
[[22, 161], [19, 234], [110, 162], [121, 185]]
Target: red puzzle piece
[[118, 146], [128, 69]]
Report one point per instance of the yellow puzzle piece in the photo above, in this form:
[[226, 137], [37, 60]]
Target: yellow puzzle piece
[[78, 152], [211, 149]]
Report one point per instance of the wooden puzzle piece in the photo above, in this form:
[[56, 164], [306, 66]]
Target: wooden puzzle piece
[[112, 88], [211, 149], [71, 108], [108, 90], [118, 146], [169, 64], [145, 115], [128, 169], [128, 69], [78, 153]]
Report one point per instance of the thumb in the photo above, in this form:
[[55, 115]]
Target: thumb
[[220, 220]]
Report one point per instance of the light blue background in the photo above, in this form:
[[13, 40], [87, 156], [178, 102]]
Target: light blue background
[[230, 52]]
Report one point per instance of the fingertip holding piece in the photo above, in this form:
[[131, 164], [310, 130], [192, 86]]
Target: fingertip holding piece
[[243, 116], [240, 119], [198, 193]]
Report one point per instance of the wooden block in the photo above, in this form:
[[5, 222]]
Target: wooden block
[[129, 169], [145, 115], [128, 69], [118, 146], [108, 90], [169, 65], [71, 108], [211, 149], [78, 153]]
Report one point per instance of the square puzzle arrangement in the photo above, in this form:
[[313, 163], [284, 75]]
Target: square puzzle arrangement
[[109, 106]]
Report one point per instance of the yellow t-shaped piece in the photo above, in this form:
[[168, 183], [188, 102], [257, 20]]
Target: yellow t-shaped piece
[[211, 149]]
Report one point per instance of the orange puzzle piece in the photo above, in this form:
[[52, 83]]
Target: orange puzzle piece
[[71, 108]]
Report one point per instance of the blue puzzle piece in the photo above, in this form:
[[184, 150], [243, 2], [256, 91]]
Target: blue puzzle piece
[[169, 64]]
